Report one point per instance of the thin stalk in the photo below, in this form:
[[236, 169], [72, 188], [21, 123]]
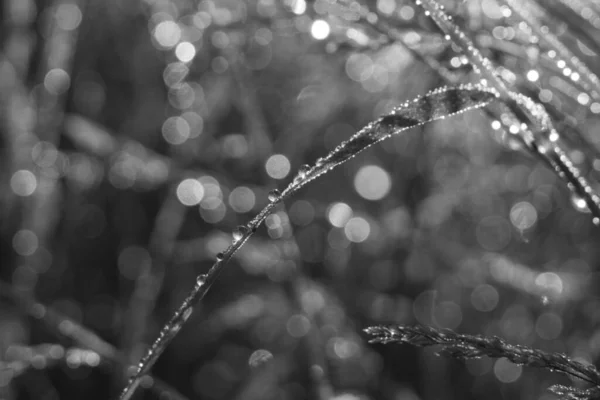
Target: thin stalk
[[434, 106], [531, 13], [522, 114]]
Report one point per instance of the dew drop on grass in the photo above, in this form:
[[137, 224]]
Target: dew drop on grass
[[596, 221], [201, 279], [238, 233], [274, 196], [579, 203], [187, 313], [220, 256], [303, 170], [175, 328]]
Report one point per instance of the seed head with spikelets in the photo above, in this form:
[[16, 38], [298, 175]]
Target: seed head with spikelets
[[470, 346]]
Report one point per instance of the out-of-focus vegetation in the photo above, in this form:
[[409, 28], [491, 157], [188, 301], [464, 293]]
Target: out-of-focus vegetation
[[136, 135]]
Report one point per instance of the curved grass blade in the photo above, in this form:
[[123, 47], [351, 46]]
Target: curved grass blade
[[436, 105], [467, 346], [522, 114]]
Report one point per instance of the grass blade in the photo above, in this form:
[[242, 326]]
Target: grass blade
[[522, 116], [436, 105]]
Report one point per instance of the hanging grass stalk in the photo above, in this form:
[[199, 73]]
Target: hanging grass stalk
[[436, 105], [523, 116]]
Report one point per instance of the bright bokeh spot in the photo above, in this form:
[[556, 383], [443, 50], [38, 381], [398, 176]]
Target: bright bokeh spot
[[506, 371], [339, 214], [447, 314], [297, 325], [302, 212], [407, 12], [343, 348], [523, 215], [23, 183], [44, 154], [190, 192], [320, 29], [176, 130], [298, 7], [195, 121], [174, 73], [167, 34], [583, 99], [57, 81], [357, 229], [235, 145], [278, 166], [550, 281], [533, 75], [242, 199], [133, 260], [68, 16], [185, 52], [359, 67], [549, 326], [372, 182], [25, 242], [183, 95], [386, 6], [485, 298]]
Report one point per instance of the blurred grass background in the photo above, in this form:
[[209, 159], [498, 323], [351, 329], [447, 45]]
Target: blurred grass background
[[136, 135]]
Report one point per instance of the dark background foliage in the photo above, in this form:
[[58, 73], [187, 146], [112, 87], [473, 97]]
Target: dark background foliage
[[136, 135]]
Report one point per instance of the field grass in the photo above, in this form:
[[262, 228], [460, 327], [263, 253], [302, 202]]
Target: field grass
[[185, 212]]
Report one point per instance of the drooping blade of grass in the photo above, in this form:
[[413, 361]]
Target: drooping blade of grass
[[522, 116], [436, 105], [468, 346]]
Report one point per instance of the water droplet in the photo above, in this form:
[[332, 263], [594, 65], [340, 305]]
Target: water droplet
[[187, 313], [579, 203], [201, 279], [274, 195], [303, 170], [596, 221], [238, 233], [175, 328], [220, 257]]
